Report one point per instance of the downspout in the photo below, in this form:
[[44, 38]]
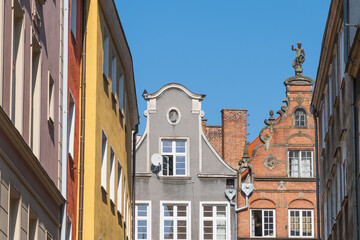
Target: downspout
[[82, 130], [133, 180], [355, 158], [317, 176], [64, 116]]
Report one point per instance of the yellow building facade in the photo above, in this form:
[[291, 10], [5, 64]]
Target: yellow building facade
[[111, 116]]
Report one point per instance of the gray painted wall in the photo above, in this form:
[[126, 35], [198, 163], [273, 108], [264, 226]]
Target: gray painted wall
[[207, 172]]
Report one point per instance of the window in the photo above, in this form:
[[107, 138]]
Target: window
[[300, 116], [330, 94], [119, 188], [338, 188], [124, 196], [301, 223], [300, 164], [105, 53], [73, 17], [14, 215], [175, 220], [333, 199], [128, 214], [51, 101], [329, 215], [35, 101], [323, 132], [143, 220], [17, 78], [33, 221], [341, 55], [104, 160], [112, 175], [262, 223], [325, 219], [174, 157], [121, 88], [71, 124], [214, 221], [113, 74]]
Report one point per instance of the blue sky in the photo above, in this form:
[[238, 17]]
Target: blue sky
[[236, 52]]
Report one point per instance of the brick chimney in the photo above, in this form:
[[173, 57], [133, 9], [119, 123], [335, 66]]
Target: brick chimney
[[234, 134]]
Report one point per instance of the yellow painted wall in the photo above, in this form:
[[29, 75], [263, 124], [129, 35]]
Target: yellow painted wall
[[102, 113]]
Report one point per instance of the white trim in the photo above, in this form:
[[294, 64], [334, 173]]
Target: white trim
[[174, 85], [300, 223], [104, 160], [227, 217], [119, 187], [112, 175], [168, 115], [262, 219], [187, 218], [174, 153], [148, 218], [300, 162], [71, 125]]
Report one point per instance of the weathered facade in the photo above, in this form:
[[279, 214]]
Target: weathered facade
[[181, 181], [30, 119], [336, 106], [110, 116]]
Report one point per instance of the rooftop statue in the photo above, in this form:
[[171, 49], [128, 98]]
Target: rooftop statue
[[299, 58]]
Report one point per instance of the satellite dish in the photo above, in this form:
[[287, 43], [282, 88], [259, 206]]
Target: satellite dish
[[156, 159]]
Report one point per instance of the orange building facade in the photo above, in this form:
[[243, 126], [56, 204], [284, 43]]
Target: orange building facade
[[276, 185]]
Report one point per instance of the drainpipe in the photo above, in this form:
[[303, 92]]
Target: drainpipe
[[64, 114], [317, 175], [133, 180], [355, 158], [82, 130]]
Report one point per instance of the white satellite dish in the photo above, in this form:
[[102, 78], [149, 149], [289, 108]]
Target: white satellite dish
[[156, 159]]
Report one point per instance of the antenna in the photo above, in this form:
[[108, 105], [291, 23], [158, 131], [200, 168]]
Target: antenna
[[156, 160]]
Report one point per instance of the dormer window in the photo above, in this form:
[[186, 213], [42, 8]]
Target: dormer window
[[300, 116]]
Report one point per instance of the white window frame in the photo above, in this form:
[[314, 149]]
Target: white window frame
[[175, 218], [106, 45], [51, 100], [175, 154], [325, 218], [147, 218], [214, 218], [301, 223], [299, 115], [252, 231], [124, 196], [119, 187], [300, 165], [112, 175], [71, 124], [104, 142]]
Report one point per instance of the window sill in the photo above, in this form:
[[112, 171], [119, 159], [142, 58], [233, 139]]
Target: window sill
[[175, 178]]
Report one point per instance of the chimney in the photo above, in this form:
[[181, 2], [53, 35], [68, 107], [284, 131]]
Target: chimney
[[203, 124], [234, 134]]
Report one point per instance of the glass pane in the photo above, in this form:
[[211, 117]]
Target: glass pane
[[167, 146], [181, 211], [208, 230], [208, 211], [168, 210], [180, 146], [221, 211], [142, 210], [221, 230], [168, 229], [180, 165], [181, 229]]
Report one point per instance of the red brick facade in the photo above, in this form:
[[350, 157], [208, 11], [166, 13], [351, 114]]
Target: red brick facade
[[275, 188]]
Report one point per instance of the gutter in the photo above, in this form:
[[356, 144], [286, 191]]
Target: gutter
[[64, 142], [317, 174], [133, 181], [82, 123], [355, 159]]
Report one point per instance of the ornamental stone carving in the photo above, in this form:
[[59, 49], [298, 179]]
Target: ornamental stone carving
[[270, 162]]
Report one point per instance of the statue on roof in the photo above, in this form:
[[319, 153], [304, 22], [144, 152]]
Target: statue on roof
[[299, 58]]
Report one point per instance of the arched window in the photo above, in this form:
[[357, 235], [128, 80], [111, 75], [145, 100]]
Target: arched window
[[300, 115]]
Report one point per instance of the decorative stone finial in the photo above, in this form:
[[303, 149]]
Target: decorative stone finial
[[299, 59]]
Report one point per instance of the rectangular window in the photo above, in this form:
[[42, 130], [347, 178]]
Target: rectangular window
[[112, 175], [68, 228], [300, 164], [33, 221], [329, 215], [14, 215], [35, 101], [301, 223], [121, 88], [104, 161], [333, 199], [325, 219], [51, 101], [174, 157], [113, 74], [214, 221], [71, 126], [17, 79], [338, 188], [143, 220], [119, 188], [128, 214], [330, 94], [323, 133], [105, 53], [175, 220], [341, 55], [124, 195], [263, 223], [344, 166], [73, 17]]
